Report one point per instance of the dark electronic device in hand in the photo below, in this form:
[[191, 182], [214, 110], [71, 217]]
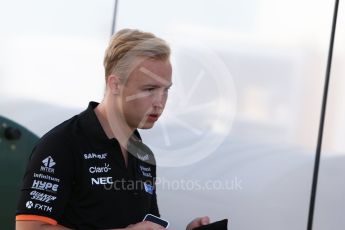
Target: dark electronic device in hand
[[218, 225], [157, 220]]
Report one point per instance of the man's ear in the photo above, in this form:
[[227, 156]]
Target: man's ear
[[114, 83]]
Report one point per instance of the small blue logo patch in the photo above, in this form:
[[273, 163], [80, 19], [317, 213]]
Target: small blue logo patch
[[148, 188]]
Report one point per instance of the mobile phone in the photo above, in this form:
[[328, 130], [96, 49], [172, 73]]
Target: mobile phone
[[157, 220], [218, 225]]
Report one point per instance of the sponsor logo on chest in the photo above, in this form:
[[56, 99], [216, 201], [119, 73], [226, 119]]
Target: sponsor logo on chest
[[47, 165], [143, 157], [31, 205], [93, 170], [42, 197], [146, 171], [46, 177], [99, 156], [44, 186], [100, 169], [101, 180]]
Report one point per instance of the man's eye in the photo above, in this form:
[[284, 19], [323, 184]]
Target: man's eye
[[149, 89]]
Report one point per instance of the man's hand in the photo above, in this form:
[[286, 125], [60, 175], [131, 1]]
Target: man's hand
[[145, 225], [197, 222]]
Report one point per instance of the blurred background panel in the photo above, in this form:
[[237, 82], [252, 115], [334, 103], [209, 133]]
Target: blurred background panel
[[51, 54], [275, 55]]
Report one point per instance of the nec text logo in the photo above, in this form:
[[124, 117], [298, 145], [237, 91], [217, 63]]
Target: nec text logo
[[102, 180]]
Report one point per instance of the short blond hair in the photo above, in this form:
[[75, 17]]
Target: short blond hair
[[129, 44]]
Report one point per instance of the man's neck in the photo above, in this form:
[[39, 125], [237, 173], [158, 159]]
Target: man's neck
[[113, 123]]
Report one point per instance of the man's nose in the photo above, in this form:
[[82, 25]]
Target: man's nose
[[159, 99]]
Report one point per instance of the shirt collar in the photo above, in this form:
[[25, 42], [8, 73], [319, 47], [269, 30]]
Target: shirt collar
[[93, 128]]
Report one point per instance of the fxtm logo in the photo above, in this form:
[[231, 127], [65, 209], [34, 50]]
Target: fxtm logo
[[30, 205]]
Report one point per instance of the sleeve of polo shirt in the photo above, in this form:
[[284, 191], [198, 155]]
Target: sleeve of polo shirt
[[47, 181]]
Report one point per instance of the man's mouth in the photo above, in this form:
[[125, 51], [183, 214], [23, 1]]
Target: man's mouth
[[153, 117]]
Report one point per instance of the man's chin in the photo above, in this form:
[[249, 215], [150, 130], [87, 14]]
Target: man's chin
[[146, 126]]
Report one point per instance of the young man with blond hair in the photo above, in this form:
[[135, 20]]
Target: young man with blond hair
[[92, 171]]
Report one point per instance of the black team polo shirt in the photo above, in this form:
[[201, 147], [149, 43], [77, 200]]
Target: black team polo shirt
[[76, 177]]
